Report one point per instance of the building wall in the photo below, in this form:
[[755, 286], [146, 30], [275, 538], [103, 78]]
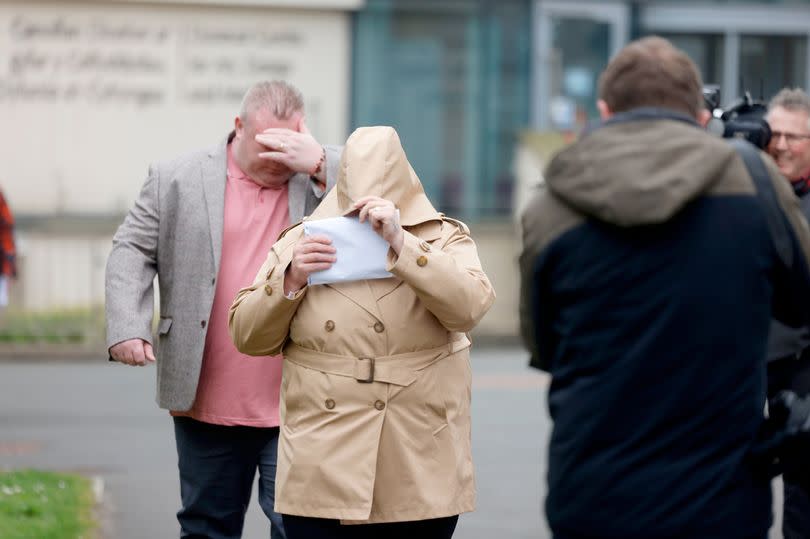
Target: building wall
[[498, 248], [90, 93]]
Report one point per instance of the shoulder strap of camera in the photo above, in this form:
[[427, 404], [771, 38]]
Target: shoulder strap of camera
[[773, 212]]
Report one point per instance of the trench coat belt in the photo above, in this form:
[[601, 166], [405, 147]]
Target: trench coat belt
[[397, 369]]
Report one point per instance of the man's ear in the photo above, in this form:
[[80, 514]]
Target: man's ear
[[301, 125], [703, 117], [604, 110], [238, 126]]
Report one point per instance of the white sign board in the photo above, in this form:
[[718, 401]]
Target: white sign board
[[90, 94]]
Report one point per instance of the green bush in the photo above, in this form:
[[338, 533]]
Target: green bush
[[45, 505], [73, 326]]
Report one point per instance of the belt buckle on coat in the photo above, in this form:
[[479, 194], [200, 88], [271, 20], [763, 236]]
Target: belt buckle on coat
[[370, 378]]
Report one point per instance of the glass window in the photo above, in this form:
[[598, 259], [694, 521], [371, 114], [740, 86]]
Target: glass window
[[453, 79], [580, 49], [769, 63], [574, 43]]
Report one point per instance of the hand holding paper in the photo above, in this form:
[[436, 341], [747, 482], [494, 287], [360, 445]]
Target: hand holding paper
[[384, 219], [311, 253]]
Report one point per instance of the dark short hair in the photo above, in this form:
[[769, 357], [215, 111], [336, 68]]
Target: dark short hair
[[652, 72]]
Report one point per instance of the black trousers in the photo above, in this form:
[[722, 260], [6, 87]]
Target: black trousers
[[793, 374], [322, 528], [217, 467], [690, 537]]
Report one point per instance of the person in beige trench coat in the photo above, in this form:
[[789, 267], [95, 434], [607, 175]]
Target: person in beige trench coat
[[375, 397]]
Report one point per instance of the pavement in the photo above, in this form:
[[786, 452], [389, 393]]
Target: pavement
[[86, 415]]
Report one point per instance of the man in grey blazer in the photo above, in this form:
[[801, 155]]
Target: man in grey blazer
[[203, 224]]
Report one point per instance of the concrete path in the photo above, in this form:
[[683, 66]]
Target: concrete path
[[100, 419]]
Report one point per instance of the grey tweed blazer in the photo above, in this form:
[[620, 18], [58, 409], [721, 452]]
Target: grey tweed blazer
[[174, 231]]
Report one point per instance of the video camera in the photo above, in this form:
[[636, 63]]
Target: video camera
[[745, 118]]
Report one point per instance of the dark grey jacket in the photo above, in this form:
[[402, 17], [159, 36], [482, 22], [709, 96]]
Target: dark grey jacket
[[785, 341]]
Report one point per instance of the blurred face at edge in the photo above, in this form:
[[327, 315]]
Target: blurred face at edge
[[246, 150], [790, 143]]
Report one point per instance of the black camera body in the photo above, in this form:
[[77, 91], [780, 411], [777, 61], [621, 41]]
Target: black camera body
[[744, 119]]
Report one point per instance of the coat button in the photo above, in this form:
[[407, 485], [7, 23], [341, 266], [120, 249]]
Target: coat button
[[329, 325], [268, 289], [425, 246], [379, 405], [379, 327], [330, 403], [202, 323], [421, 261]]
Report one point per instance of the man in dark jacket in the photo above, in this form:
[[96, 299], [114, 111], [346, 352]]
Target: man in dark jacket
[[652, 264], [789, 348]]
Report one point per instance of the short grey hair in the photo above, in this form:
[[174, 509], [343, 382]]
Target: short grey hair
[[793, 99], [281, 98]]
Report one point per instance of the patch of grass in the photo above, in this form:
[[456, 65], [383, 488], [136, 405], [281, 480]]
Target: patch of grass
[[72, 326], [45, 505]]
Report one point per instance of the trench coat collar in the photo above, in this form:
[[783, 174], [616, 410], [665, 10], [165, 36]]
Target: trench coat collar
[[360, 293]]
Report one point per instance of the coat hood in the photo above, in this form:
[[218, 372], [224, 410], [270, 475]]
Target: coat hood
[[639, 168], [374, 163]]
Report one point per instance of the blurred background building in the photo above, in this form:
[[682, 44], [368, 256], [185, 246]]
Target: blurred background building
[[481, 92]]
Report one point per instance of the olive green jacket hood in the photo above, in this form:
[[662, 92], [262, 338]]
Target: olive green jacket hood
[[638, 170]]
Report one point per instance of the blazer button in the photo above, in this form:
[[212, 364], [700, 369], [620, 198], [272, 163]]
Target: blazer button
[[268, 289], [379, 327], [329, 325], [379, 405], [330, 404], [421, 261], [202, 323]]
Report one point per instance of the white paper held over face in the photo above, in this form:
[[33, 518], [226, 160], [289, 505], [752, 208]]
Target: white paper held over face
[[361, 252]]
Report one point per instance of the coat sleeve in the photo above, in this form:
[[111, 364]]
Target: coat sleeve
[[544, 219], [332, 164], [448, 280], [534, 304], [260, 316], [131, 268]]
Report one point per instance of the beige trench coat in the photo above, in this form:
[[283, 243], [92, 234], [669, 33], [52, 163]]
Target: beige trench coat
[[375, 396]]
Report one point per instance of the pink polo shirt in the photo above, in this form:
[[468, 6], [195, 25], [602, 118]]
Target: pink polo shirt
[[236, 389]]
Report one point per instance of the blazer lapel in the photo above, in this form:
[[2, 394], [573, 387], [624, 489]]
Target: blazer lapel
[[297, 196], [214, 177]]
